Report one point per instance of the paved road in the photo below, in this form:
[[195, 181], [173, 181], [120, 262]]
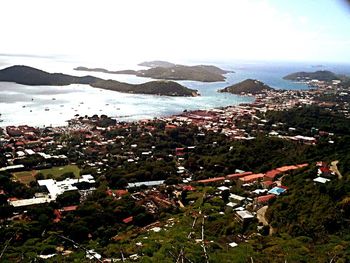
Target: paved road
[[260, 214], [334, 168]]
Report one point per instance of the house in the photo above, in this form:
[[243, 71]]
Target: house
[[237, 175], [264, 199], [277, 190], [128, 220], [237, 198], [321, 180], [267, 184], [244, 216], [251, 178], [146, 183], [271, 175], [211, 180], [223, 188]]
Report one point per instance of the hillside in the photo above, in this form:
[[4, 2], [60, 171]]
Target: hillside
[[102, 70], [157, 63], [247, 86], [168, 88], [322, 75], [168, 71], [31, 76]]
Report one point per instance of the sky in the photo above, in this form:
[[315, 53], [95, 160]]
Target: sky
[[178, 30]]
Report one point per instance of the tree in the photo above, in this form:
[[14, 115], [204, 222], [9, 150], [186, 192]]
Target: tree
[[68, 198]]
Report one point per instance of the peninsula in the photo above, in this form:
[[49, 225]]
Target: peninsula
[[169, 71], [248, 86], [31, 76]]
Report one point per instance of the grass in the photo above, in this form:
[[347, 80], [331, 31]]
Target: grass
[[28, 176], [57, 171], [25, 177]]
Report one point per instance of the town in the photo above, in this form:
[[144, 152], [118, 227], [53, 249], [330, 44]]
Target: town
[[101, 179]]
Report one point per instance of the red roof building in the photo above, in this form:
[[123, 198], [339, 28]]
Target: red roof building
[[237, 175], [287, 168], [69, 208], [170, 127], [211, 180], [265, 198], [188, 188], [179, 151], [268, 184], [251, 178], [271, 175], [128, 220]]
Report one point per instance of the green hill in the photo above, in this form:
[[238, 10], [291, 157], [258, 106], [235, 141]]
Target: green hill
[[31, 76], [322, 75], [169, 71], [247, 86]]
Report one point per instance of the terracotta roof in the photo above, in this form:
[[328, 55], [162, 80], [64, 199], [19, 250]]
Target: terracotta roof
[[291, 167], [251, 178], [70, 208], [189, 188], [272, 174], [170, 126], [302, 165], [211, 180], [268, 183], [265, 198], [287, 168], [120, 192], [128, 220], [238, 175]]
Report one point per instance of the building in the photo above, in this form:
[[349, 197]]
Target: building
[[244, 216], [56, 188]]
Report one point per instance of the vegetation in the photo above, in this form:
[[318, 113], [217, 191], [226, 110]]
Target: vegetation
[[322, 75], [59, 172], [247, 86], [31, 76], [312, 117], [169, 71], [309, 222]]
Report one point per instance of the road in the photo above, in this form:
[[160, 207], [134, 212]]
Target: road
[[334, 168]]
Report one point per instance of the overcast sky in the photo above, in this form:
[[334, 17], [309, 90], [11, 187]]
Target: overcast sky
[[135, 30]]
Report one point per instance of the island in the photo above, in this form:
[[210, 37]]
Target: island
[[157, 63], [320, 75], [31, 76], [248, 86], [168, 71]]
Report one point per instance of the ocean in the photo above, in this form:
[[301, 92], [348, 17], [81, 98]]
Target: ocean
[[52, 106]]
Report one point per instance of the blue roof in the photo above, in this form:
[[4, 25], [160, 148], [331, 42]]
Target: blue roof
[[277, 190]]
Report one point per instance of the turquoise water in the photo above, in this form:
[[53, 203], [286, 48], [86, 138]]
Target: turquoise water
[[48, 105]]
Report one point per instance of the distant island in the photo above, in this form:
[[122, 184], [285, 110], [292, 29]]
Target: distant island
[[321, 75], [157, 63], [31, 76], [169, 71], [248, 86]]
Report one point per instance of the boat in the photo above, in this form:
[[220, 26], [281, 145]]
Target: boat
[[47, 109]]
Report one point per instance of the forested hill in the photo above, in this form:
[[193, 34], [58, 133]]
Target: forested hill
[[247, 86], [322, 75], [168, 71], [31, 76]]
